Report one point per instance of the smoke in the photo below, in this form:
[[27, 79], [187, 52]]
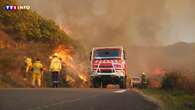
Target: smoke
[[124, 23], [127, 22]]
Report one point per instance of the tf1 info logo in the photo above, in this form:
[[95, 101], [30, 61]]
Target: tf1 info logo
[[16, 7]]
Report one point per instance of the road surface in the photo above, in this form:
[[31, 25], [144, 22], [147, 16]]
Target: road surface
[[73, 99]]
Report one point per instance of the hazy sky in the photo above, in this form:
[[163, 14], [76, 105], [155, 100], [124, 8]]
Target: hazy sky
[[126, 23], [122, 22]]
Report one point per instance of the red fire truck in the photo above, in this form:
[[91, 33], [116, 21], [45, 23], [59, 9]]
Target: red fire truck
[[108, 66]]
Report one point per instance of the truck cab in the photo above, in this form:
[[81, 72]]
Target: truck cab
[[108, 66]]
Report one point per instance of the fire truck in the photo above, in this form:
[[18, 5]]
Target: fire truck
[[108, 66]]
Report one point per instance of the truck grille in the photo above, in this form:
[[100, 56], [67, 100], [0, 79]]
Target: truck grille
[[105, 66], [106, 71]]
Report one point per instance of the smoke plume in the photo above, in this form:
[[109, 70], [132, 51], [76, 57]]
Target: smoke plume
[[125, 23]]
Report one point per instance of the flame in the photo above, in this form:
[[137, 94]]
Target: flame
[[66, 29], [70, 79], [158, 71], [155, 77], [83, 77], [76, 72], [65, 54]]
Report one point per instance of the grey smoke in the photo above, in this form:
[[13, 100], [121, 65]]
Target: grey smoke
[[116, 22], [125, 23]]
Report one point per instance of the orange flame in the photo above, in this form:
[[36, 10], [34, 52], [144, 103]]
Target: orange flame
[[65, 54], [82, 77], [158, 71], [77, 74], [66, 29]]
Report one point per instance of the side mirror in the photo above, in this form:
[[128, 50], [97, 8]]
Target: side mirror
[[90, 56], [124, 55]]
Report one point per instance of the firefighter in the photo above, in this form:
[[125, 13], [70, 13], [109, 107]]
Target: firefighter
[[28, 66], [55, 68], [143, 80], [37, 70], [129, 81]]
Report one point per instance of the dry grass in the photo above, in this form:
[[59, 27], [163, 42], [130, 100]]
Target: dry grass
[[172, 100], [12, 63]]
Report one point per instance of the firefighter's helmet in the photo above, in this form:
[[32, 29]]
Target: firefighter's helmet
[[55, 55]]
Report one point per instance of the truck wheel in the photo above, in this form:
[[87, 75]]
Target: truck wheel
[[104, 85], [122, 83], [96, 83]]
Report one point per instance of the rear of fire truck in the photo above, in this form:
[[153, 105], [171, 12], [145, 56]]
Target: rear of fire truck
[[108, 66]]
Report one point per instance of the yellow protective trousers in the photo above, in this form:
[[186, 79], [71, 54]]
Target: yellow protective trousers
[[36, 77]]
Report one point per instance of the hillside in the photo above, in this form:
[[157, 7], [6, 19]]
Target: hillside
[[26, 25], [26, 33], [179, 57]]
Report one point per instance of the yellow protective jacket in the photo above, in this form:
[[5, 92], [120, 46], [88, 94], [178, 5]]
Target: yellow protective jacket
[[28, 63], [37, 67], [55, 65]]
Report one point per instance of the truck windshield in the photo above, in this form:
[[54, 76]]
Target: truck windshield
[[107, 53]]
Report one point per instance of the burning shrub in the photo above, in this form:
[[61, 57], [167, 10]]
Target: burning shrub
[[154, 83], [75, 70]]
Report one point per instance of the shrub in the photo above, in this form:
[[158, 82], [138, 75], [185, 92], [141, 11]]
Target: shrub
[[30, 26], [177, 80], [169, 81]]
